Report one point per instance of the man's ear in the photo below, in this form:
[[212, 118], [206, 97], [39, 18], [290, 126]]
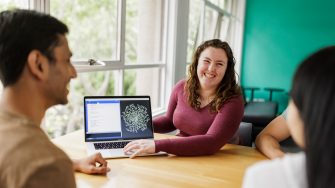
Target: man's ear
[[38, 65]]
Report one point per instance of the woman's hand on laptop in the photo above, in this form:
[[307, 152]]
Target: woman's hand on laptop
[[139, 147], [93, 164]]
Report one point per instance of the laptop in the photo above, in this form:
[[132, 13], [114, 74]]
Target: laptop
[[111, 122]]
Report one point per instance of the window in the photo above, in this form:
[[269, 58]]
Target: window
[[10, 4], [93, 27], [144, 46], [221, 19], [128, 36]]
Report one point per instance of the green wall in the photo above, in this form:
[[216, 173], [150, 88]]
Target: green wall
[[278, 36]]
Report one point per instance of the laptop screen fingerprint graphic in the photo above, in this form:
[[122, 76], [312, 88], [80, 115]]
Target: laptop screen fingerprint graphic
[[136, 118], [110, 122]]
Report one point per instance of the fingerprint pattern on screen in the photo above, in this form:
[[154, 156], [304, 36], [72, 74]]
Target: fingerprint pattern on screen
[[136, 118]]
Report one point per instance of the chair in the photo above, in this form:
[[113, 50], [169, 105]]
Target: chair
[[271, 90], [259, 113], [245, 134]]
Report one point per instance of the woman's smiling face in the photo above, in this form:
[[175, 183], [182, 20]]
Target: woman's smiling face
[[212, 66]]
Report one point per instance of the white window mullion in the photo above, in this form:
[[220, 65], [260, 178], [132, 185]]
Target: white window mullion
[[177, 43], [40, 5], [202, 24], [121, 30], [238, 7], [118, 84]]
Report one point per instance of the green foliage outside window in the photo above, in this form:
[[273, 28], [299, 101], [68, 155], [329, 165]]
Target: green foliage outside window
[[93, 34]]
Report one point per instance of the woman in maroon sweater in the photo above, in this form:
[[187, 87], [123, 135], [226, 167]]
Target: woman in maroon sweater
[[207, 108]]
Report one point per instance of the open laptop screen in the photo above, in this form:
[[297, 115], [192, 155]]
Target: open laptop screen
[[109, 118]]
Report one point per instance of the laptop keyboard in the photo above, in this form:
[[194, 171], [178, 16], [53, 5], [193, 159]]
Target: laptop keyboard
[[110, 145]]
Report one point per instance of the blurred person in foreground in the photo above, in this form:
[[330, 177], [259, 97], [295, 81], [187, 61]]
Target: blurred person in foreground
[[310, 120], [35, 70]]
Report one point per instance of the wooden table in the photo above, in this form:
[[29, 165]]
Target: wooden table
[[224, 169]]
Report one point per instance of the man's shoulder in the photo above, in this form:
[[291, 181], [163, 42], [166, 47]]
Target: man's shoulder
[[20, 134], [28, 142], [26, 146], [38, 169], [26, 156]]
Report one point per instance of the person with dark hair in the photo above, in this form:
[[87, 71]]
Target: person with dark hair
[[207, 108], [35, 70], [311, 124]]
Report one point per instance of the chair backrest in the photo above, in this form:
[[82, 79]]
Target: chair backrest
[[245, 134], [252, 92]]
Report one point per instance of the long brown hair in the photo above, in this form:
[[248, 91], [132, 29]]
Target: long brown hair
[[227, 87]]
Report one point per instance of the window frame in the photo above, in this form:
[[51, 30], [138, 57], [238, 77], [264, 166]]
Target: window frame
[[119, 65], [174, 56]]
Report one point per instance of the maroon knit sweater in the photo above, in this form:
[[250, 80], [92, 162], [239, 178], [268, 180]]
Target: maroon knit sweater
[[201, 132]]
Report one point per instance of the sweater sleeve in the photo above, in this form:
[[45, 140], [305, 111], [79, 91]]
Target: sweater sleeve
[[221, 130], [164, 124]]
